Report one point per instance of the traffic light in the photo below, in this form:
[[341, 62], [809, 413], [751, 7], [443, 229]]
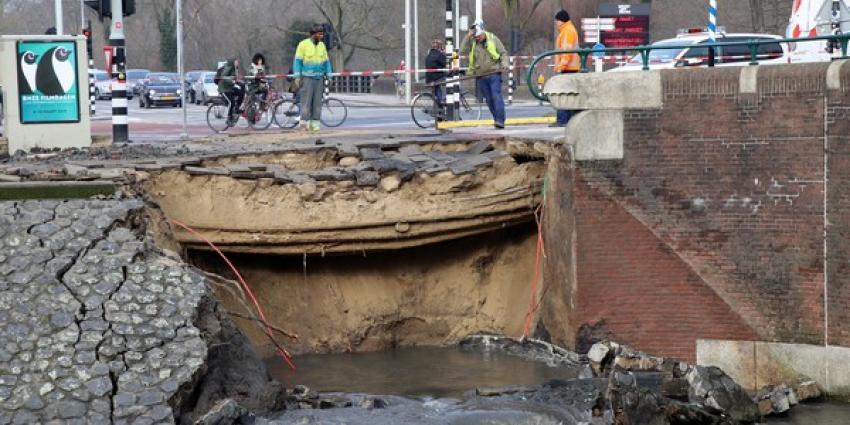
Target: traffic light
[[330, 36], [104, 7]]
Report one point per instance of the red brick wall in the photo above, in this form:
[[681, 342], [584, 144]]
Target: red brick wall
[[712, 225], [638, 289]]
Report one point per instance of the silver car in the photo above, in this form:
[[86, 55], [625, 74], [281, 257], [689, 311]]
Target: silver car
[[205, 89], [102, 85]]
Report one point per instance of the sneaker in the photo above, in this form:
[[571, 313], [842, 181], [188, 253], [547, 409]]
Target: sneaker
[[499, 125], [557, 124]]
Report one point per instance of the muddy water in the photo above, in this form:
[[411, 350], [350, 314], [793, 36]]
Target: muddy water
[[434, 372], [827, 413], [426, 385]]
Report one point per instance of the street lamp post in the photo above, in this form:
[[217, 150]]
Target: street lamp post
[[58, 9], [179, 12], [416, 39], [407, 75]]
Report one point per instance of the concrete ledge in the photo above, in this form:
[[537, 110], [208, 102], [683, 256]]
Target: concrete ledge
[[754, 364], [596, 135], [603, 90], [53, 190]]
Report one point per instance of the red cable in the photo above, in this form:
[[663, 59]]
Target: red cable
[[282, 351], [537, 259]]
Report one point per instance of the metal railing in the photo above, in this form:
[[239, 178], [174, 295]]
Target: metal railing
[[840, 40]]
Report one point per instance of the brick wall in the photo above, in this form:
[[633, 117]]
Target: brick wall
[[712, 225]]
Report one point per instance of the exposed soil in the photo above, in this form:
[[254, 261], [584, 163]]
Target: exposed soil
[[432, 295]]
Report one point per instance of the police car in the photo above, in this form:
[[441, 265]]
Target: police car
[[697, 54]]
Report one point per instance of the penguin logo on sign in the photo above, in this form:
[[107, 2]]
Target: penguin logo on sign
[[27, 65], [55, 75]]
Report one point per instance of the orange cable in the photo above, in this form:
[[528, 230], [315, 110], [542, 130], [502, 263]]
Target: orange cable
[[282, 351]]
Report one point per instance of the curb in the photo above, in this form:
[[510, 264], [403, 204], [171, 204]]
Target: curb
[[56, 190], [489, 123]]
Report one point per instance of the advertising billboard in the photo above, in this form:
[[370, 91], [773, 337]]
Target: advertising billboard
[[48, 82]]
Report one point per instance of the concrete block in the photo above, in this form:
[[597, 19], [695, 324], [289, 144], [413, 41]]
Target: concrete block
[[596, 135], [749, 82], [756, 364], [833, 74], [602, 90]]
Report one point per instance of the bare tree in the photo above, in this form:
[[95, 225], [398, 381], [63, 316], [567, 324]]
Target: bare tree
[[359, 25], [518, 14]]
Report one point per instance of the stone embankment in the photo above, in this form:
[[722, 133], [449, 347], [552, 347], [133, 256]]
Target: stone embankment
[[100, 327]]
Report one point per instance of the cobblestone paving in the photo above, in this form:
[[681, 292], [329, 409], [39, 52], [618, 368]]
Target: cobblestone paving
[[97, 328]]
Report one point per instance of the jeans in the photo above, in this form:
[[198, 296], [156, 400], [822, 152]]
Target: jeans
[[439, 94], [490, 87], [312, 90], [563, 116]]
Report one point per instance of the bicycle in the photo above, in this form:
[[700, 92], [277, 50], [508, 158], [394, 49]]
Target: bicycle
[[287, 112], [426, 111], [254, 108]]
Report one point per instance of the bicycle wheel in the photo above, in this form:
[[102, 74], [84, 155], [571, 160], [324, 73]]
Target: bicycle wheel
[[334, 112], [287, 114], [424, 110], [217, 117], [470, 109], [262, 116]]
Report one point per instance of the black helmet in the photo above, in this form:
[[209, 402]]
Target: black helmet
[[317, 28]]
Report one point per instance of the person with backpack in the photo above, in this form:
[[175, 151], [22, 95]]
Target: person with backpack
[[311, 66], [227, 78], [487, 59]]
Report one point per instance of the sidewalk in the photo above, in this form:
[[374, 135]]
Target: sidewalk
[[365, 100]]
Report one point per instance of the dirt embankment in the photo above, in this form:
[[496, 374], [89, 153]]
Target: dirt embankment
[[430, 295]]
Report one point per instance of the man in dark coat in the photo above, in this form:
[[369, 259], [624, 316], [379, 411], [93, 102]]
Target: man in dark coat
[[436, 59]]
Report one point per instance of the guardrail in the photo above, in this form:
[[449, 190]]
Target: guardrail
[[841, 40]]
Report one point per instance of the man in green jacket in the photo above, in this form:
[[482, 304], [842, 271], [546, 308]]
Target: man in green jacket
[[230, 87], [487, 59], [311, 66]]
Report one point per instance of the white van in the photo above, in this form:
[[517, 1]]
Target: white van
[[697, 55]]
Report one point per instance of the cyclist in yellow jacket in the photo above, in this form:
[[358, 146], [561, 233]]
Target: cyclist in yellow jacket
[[566, 63], [311, 66]]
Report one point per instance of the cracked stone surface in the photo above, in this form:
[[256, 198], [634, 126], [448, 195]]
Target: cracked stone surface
[[97, 329]]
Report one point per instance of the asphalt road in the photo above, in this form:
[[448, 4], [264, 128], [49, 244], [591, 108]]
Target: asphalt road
[[165, 123]]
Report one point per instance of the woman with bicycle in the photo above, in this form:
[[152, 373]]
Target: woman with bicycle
[[257, 83]]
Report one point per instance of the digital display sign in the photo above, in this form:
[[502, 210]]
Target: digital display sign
[[631, 24]]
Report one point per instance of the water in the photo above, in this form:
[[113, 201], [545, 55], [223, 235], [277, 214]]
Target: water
[[827, 413], [434, 372], [426, 386]]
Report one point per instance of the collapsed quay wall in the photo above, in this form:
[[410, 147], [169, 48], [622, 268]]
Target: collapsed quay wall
[[716, 209]]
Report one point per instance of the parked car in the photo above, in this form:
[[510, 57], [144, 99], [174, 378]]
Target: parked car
[[205, 89], [697, 55], [102, 85], [190, 79], [134, 79], [160, 88]]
